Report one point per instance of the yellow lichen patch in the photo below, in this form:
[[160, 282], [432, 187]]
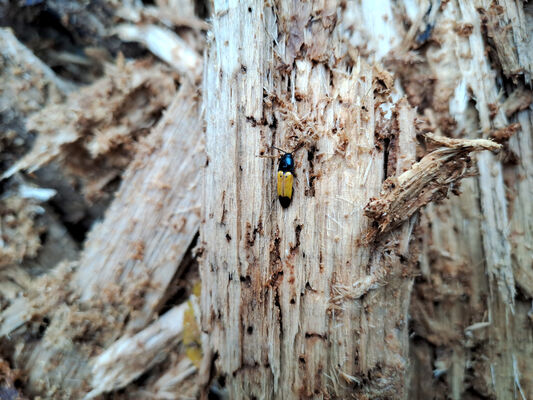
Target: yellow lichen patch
[[191, 335], [197, 289]]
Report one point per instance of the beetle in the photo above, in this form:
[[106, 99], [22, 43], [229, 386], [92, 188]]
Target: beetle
[[285, 178]]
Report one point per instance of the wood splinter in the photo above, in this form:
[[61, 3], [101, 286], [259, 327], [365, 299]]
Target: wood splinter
[[432, 178]]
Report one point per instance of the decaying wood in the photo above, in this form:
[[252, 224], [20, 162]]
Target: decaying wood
[[442, 93], [147, 230], [24, 309], [431, 179], [166, 45], [312, 301], [165, 12], [27, 85], [13, 281], [519, 100], [163, 208], [23, 251], [508, 30], [265, 305], [474, 246], [29, 231], [43, 77], [496, 244], [502, 135], [92, 133], [19, 236], [157, 208], [129, 357], [520, 181], [282, 288], [175, 382], [72, 36]]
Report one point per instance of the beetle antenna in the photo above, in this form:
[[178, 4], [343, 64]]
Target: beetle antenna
[[298, 147], [277, 148]]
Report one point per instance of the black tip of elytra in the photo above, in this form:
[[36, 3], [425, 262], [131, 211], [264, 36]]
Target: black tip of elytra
[[284, 201]]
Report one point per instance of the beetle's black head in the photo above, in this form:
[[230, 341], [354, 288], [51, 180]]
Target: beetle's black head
[[286, 163]]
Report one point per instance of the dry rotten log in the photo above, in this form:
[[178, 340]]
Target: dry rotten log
[[74, 37], [128, 259], [520, 182], [149, 227], [28, 228], [508, 26], [284, 289], [130, 356], [31, 236], [440, 80], [500, 365], [518, 100], [470, 335], [164, 12], [268, 273], [8, 379], [458, 90]]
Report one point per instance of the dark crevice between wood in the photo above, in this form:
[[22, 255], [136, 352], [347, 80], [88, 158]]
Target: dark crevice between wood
[[180, 287], [310, 190]]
